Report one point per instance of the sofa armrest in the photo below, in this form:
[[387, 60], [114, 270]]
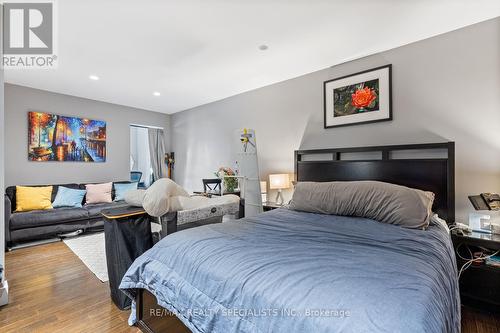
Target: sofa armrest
[[8, 212]]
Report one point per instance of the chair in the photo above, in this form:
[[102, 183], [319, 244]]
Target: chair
[[212, 186], [135, 176]]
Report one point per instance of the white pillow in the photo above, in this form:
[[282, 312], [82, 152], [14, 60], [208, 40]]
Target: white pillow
[[156, 201]]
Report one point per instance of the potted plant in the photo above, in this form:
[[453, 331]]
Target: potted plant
[[227, 175]]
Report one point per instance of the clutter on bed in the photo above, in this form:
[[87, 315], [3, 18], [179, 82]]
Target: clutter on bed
[[383, 202], [156, 199], [169, 201]]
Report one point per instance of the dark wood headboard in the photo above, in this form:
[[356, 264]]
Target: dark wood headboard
[[429, 167]]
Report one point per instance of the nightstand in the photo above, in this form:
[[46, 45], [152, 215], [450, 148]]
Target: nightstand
[[479, 285], [268, 205]]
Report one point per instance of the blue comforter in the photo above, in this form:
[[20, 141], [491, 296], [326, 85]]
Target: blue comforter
[[288, 271]]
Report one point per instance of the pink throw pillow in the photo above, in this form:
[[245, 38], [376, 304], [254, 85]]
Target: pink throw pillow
[[99, 193]]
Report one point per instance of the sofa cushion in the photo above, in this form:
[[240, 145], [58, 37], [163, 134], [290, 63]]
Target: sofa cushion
[[33, 198], [99, 193], [68, 197], [47, 231], [37, 218], [94, 210], [83, 187], [122, 189]]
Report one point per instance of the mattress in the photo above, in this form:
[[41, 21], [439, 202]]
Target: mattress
[[196, 208], [288, 271]]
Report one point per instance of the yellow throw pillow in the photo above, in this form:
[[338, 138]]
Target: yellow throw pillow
[[32, 198]]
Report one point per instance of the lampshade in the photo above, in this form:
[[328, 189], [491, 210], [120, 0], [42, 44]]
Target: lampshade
[[263, 187], [279, 181]]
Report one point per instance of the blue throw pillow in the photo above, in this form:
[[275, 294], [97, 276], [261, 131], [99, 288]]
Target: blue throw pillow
[[68, 197], [121, 189]]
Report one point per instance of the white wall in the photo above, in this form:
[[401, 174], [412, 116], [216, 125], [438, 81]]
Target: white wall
[[18, 170], [445, 88]]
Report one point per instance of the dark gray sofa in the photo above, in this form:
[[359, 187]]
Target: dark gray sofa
[[39, 224]]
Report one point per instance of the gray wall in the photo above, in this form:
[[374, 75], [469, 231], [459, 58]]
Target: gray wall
[[18, 170], [444, 88]]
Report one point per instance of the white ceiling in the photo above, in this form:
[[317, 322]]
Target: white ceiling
[[195, 52]]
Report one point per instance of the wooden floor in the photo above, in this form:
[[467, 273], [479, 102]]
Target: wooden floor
[[51, 290]]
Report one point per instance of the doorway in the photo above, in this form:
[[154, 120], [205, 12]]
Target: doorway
[[140, 159]]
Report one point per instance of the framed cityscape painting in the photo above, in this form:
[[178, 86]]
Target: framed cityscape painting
[[359, 98], [53, 137]]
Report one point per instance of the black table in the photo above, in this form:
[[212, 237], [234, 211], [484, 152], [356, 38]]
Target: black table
[[479, 285], [268, 205], [127, 231]]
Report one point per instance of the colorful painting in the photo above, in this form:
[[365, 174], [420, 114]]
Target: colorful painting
[[53, 137], [363, 97]]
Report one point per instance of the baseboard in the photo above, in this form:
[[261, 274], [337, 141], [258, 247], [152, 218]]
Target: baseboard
[[17, 246]]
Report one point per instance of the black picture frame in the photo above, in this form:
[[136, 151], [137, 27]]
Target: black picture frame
[[389, 116]]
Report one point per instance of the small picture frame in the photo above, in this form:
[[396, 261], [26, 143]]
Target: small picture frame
[[359, 98]]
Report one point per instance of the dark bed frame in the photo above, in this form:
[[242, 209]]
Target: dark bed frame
[[429, 167]]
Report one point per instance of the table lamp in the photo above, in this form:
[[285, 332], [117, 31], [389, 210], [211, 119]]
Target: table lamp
[[279, 182], [263, 191]]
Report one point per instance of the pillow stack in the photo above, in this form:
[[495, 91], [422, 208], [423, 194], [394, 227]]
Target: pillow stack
[[39, 197]]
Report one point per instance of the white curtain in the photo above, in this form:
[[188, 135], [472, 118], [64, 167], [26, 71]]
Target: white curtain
[[139, 153], [157, 153]]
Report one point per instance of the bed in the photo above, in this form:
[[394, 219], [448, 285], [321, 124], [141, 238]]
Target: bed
[[289, 271]]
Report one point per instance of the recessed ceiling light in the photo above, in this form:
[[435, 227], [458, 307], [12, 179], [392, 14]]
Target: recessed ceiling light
[[156, 93], [94, 77], [263, 47]]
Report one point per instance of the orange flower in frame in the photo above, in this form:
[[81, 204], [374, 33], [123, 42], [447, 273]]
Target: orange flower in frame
[[363, 97]]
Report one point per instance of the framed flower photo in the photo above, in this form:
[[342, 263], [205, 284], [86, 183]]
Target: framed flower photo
[[359, 98]]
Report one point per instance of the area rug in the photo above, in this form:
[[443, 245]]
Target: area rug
[[91, 251]]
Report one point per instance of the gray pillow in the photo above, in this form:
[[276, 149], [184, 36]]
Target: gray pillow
[[135, 197], [383, 202]]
